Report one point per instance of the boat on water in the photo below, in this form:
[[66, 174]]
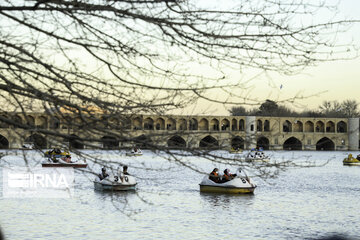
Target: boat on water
[[58, 158], [115, 183], [351, 161], [134, 152], [257, 155], [56, 153], [235, 151], [240, 184], [62, 163]]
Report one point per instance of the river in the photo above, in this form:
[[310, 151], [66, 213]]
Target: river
[[301, 203]]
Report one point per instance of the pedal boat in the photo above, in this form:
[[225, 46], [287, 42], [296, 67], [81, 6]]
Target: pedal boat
[[134, 154], [351, 161], [52, 154], [239, 185], [110, 184], [252, 157], [61, 163], [233, 151]]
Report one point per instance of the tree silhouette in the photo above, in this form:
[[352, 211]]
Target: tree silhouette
[[96, 64]]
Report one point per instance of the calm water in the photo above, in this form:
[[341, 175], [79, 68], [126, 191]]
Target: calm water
[[302, 203]]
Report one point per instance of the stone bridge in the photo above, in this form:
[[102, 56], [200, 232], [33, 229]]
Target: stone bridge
[[176, 131]]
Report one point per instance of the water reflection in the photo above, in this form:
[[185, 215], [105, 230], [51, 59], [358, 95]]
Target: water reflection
[[168, 205], [226, 200]]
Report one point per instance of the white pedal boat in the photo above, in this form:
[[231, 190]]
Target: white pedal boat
[[251, 157], [61, 163], [239, 184], [114, 183], [133, 154]]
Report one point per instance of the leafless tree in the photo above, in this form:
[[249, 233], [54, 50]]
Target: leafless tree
[[113, 59]]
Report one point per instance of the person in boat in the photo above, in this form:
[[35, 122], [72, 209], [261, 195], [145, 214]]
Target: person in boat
[[53, 159], [358, 157], [125, 172], [214, 176], [67, 158], [103, 174], [227, 176]]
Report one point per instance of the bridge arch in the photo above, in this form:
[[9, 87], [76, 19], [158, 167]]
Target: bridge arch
[[37, 140], [182, 124], [292, 143], [137, 123], [330, 126], [237, 142], [263, 142], [16, 119], [160, 124], [30, 121], [214, 125], [4, 124], [176, 142], [148, 124], [109, 142], [287, 126], [54, 123], [341, 127], [309, 126], [319, 126], [242, 125], [325, 144], [234, 125], [171, 124], [75, 142], [204, 124], [259, 125], [143, 141], [193, 124], [298, 126], [4, 143], [41, 122], [266, 126], [225, 125], [209, 142]]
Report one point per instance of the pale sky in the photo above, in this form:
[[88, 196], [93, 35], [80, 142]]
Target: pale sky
[[339, 80]]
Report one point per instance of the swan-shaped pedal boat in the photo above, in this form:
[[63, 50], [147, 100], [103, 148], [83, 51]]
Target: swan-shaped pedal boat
[[239, 184], [134, 152], [257, 156], [115, 183]]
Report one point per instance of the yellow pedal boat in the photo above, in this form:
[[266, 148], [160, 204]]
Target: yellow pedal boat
[[350, 160]]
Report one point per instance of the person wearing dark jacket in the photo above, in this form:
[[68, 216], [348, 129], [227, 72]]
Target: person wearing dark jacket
[[228, 176], [103, 174], [214, 176], [125, 172]]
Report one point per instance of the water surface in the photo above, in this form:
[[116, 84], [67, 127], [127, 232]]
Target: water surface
[[302, 203]]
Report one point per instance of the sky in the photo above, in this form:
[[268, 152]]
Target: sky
[[330, 81]]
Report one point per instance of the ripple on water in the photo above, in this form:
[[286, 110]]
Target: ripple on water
[[300, 203]]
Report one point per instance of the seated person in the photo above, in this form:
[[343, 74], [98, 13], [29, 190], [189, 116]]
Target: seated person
[[67, 158], [227, 176], [57, 150], [358, 157], [103, 174], [125, 172], [214, 176]]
